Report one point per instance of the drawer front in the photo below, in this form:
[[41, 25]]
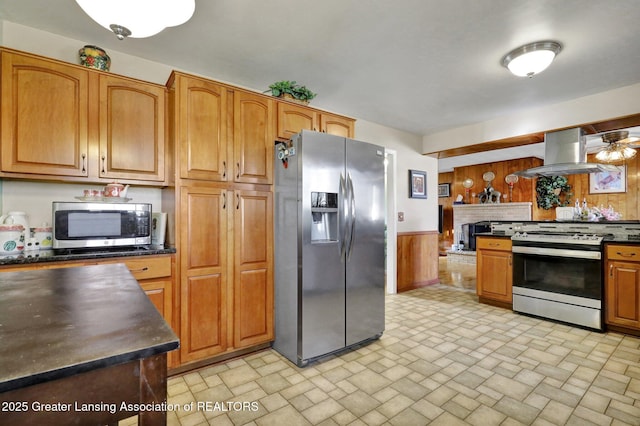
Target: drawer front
[[145, 267], [489, 243], [623, 252]]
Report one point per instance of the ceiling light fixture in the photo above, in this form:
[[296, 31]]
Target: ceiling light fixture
[[139, 18], [532, 58], [617, 150]]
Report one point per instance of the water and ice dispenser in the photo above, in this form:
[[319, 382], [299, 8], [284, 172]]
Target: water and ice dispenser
[[324, 215]]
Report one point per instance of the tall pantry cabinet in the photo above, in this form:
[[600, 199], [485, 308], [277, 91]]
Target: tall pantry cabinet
[[222, 142]]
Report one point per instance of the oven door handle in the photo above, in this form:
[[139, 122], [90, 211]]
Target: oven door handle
[[540, 251]]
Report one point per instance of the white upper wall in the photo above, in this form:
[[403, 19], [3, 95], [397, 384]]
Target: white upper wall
[[599, 107], [420, 215]]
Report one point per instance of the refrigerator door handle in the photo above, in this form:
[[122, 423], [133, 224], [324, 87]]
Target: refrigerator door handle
[[352, 214], [343, 219]]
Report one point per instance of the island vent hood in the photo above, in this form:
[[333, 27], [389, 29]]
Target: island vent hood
[[565, 153]]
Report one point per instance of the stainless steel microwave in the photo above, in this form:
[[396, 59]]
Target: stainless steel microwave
[[100, 224]]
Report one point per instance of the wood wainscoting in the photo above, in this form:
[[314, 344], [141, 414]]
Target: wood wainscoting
[[417, 259]]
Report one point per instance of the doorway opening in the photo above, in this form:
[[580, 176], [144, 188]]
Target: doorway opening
[[391, 231]]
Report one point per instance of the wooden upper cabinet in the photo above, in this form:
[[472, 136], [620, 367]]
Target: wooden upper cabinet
[[293, 118], [132, 140], [45, 116], [337, 125], [201, 111], [253, 138]]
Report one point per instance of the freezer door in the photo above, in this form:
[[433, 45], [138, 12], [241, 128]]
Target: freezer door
[[322, 293], [365, 264]]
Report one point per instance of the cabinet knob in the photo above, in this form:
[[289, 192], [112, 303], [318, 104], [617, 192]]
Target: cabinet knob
[[104, 158], [84, 164]]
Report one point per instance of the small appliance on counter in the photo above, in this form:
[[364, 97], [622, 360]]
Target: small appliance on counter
[[100, 224], [469, 232], [158, 229]]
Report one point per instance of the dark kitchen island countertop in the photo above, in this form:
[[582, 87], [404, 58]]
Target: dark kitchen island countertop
[[55, 323]]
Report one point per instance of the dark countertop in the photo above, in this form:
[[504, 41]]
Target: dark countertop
[[56, 323], [39, 256]]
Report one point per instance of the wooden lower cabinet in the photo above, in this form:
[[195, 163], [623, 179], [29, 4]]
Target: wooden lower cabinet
[[253, 271], [226, 247], [494, 270], [622, 286]]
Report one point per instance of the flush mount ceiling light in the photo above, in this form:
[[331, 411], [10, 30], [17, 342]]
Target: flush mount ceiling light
[[617, 150], [138, 18], [532, 58]]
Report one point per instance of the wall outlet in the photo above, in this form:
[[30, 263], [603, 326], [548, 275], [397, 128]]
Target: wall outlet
[[400, 216]]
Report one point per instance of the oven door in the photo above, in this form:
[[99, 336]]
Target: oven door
[[560, 282]]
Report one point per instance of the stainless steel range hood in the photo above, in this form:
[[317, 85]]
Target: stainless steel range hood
[[565, 153]]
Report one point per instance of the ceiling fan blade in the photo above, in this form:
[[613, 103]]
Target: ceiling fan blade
[[631, 140]]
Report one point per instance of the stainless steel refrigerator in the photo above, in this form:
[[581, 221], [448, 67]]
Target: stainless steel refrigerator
[[329, 245]]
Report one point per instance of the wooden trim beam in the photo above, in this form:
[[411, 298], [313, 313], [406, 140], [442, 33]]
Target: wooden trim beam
[[589, 128]]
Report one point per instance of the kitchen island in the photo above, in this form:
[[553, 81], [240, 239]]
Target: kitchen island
[[81, 345]]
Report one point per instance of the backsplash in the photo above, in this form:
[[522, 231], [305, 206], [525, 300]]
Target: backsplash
[[35, 198]]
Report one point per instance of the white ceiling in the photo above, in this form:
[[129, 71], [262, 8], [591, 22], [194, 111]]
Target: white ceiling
[[417, 65]]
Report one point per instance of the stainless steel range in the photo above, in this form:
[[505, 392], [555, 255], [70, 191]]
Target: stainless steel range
[[559, 276], [558, 267]]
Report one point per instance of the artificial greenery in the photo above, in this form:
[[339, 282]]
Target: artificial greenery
[[279, 88], [553, 191]]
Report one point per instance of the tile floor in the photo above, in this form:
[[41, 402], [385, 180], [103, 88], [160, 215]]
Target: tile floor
[[444, 359]]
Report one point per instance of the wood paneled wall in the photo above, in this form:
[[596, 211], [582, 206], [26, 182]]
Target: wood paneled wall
[[627, 203], [417, 259], [524, 190]]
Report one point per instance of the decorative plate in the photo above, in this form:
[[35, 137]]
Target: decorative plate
[[488, 176]]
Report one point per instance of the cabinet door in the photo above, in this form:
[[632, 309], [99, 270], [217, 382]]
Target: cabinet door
[[622, 289], [494, 277], [253, 268], [202, 129], [203, 281], [336, 125], [253, 137], [292, 119], [45, 114], [131, 129]]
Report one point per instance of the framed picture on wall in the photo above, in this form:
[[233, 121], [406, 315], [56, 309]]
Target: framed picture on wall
[[417, 184], [444, 190], [608, 182]]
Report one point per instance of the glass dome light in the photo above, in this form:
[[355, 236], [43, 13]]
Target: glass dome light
[[138, 18], [531, 59]]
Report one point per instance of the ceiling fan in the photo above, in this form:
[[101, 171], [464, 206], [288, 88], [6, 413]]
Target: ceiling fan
[[619, 146]]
